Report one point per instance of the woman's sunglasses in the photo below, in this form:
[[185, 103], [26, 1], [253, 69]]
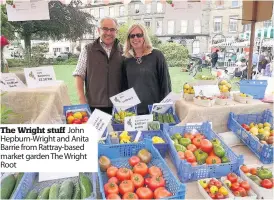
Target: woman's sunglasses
[[138, 35]]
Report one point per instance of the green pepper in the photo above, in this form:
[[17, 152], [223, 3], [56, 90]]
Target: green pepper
[[215, 142], [225, 159], [200, 156], [175, 141], [256, 179], [176, 136], [179, 147], [264, 173], [219, 151], [185, 141]]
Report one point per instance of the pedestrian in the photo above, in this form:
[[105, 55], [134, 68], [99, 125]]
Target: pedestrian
[[4, 63], [144, 69], [214, 58], [99, 68]]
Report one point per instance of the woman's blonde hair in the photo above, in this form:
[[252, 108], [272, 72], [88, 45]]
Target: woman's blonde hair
[[128, 51]]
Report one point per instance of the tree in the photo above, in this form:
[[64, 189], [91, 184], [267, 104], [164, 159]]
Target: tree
[[66, 22], [7, 29]]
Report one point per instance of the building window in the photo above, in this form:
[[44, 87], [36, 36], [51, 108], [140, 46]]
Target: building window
[[122, 10], [197, 26], [111, 11], [235, 3], [170, 27], [183, 26], [219, 3], [159, 7], [148, 8], [92, 12], [159, 27], [267, 23], [247, 27], [233, 23], [196, 47], [101, 13], [148, 24], [217, 24], [67, 49], [137, 8], [56, 49]]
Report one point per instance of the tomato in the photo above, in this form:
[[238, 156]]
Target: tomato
[[113, 180], [197, 142], [181, 155], [156, 182], [207, 190], [126, 186], [218, 184], [191, 147], [253, 171], [212, 153], [213, 160], [190, 156], [219, 195], [235, 186], [245, 185], [245, 169], [206, 145], [211, 183], [155, 171], [69, 114], [133, 160], [138, 180], [140, 168], [112, 171], [246, 127], [212, 196], [111, 188], [266, 183], [77, 121], [161, 192], [144, 193], [199, 135], [85, 119], [242, 191], [188, 135], [232, 177], [130, 195], [123, 174], [236, 193], [113, 196], [272, 180], [147, 181]]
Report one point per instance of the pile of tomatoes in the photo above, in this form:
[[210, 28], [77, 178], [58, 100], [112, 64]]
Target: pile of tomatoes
[[214, 188], [238, 187], [140, 182]]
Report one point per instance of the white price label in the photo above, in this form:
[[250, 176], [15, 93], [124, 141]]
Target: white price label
[[139, 123], [9, 81], [171, 97], [206, 90], [161, 107], [126, 99]]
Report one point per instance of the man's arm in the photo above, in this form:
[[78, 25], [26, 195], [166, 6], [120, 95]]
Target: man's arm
[[80, 75]]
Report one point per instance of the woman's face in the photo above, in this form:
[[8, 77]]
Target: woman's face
[[136, 38]]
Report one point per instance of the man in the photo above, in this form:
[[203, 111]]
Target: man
[[99, 68], [214, 58]]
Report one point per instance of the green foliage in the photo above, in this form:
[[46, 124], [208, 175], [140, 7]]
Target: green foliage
[[7, 29], [175, 54], [6, 113], [16, 63], [70, 61]]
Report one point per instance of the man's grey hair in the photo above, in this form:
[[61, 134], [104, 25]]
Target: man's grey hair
[[106, 18]]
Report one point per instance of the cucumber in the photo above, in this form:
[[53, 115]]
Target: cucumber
[[18, 179], [166, 118], [66, 190], [77, 191], [32, 195], [7, 186], [85, 186], [44, 194], [160, 118], [54, 191], [171, 119]]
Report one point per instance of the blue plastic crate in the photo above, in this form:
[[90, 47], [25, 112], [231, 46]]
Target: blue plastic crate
[[162, 148], [119, 155], [120, 127], [255, 88], [75, 108], [187, 172], [170, 111], [262, 151], [30, 181]]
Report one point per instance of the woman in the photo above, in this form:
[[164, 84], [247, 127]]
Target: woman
[[144, 69]]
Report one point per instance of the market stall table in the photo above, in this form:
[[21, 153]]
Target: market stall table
[[188, 112]]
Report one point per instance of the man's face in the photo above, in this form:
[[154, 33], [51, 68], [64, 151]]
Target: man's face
[[108, 31]]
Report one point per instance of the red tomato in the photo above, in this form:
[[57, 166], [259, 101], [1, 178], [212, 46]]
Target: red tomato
[[218, 184], [123, 174], [245, 185], [191, 147], [181, 155], [232, 177], [197, 142], [112, 171], [113, 180], [266, 183], [219, 195], [211, 160], [77, 121], [211, 183], [138, 180], [126, 186], [69, 114], [206, 145], [144, 193], [161, 192], [245, 169], [111, 188], [212, 153], [113, 196], [156, 182], [199, 135], [147, 181], [85, 119], [190, 156], [235, 186], [236, 193], [133, 160], [140, 168], [212, 196], [155, 171], [242, 191], [188, 135], [253, 171], [130, 195]]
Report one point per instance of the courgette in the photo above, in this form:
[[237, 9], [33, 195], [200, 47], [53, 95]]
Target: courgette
[[54, 191], [85, 186], [44, 194], [32, 195], [18, 180], [171, 119], [7, 186], [66, 190], [160, 118]]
